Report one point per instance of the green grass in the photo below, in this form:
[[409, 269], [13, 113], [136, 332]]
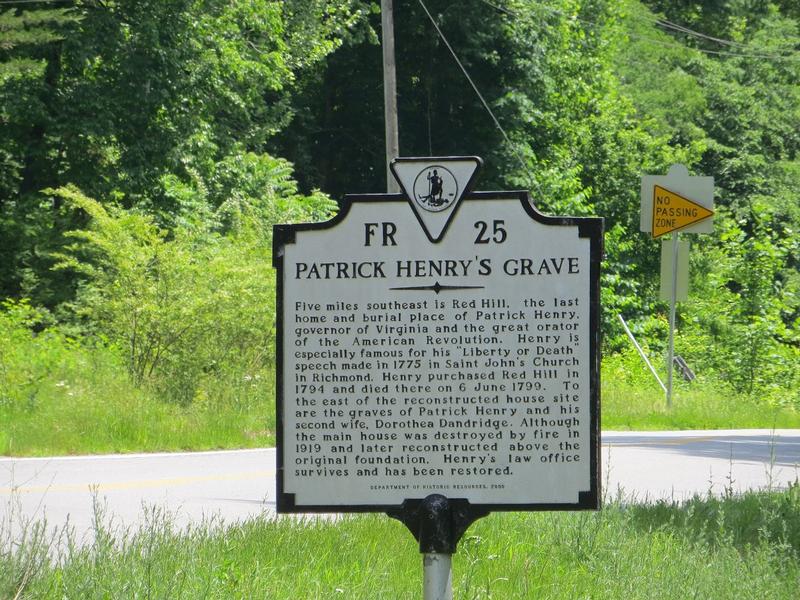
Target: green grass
[[62, 396], [709, 548], [134, 422], [111, 416], [59, 395], [701, 406], [631, 399]]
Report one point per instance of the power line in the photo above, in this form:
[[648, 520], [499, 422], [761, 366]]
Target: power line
[[666, 24], [532, 181], [697, 34], [597, 26], [32, 1], [681, 29], [686, 30], [500, 8]]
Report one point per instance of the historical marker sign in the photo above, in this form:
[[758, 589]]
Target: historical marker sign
[[462, 362]]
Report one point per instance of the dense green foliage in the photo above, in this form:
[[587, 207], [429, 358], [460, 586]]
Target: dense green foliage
[[164, 107], [709, 548], [66, 394], [189, 307], [139, 169]]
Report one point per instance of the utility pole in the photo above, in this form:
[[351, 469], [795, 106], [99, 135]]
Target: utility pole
[[389, 93]]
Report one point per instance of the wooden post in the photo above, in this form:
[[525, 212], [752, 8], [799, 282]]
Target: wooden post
[[389, 93]]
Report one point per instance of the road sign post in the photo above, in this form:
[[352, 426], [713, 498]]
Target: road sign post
[[667, 266], [673, 204], [437, 357], [672, 308]]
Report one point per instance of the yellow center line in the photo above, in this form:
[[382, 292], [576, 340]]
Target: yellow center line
[[136, 484]]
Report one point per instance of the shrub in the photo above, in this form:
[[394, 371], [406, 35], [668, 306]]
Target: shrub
[[189, 304]]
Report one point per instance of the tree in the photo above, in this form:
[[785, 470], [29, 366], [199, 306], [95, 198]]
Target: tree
[[148, 103], [189, 303]]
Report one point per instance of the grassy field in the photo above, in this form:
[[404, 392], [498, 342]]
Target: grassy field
[[114, 417], [627, 406], [71, 417], [59, 396], [631, 399], [737, 547]]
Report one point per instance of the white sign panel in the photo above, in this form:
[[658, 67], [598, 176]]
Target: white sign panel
[[467, 368], [682, 291]]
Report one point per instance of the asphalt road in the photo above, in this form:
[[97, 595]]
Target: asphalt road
[[237, 485]]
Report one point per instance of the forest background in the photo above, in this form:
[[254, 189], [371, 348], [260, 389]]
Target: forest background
[[148, 147]]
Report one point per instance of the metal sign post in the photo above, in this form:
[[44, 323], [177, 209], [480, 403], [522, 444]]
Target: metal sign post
[[437, 578], [437, 523], [641, 352], [672, 307], [438, 358]]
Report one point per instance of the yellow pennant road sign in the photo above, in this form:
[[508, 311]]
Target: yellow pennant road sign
[[672, 211]]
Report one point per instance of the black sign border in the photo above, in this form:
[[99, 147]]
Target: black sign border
[[588, 227]]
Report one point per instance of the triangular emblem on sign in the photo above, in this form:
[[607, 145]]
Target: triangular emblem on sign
[[672, 211], [434, 187]]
